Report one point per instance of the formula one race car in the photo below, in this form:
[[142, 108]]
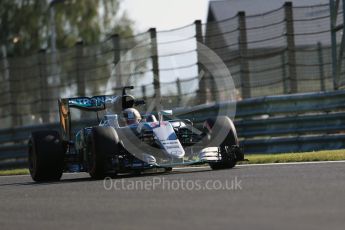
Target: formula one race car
[[125, 141]]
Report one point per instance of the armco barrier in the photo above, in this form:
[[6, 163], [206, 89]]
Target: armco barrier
[[284, 123], [272, 124]]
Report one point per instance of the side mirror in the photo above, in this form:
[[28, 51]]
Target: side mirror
[[164, 113]]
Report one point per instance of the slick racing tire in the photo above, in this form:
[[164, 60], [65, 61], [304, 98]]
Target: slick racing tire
[[46, 156], [223, 123], [104, 143]]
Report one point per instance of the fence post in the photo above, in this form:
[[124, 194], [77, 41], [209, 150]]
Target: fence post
[[321, 69], [179, 91], [202, 97], [291, 47], [44, 94], [285, 83], [341, 48], [144, 97], [334, 13], [243, 48], [155, 68], [117, 58], [11, 86], [79, 62]]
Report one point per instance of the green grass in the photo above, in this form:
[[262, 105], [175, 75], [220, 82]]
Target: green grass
[[331, 155], [14, 172]]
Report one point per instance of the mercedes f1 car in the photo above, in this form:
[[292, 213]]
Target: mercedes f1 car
[[125, 141]]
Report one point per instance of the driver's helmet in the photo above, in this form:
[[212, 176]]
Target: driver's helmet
[[132, 116]]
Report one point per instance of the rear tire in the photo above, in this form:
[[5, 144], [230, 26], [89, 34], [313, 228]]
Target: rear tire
[[46, 156], [225, 124], [104, 143]]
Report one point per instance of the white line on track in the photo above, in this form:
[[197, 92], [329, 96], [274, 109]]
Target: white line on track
[[292, 163], [267, 164], [66, 173], [245, 165]]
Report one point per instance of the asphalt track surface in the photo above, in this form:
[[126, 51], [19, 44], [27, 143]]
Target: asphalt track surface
[[293, 196]]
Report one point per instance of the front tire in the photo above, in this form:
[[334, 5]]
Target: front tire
[[104, 143], [46, 156], [228, 153]]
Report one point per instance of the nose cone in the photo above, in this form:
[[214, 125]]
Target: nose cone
[[173, 148], [165, 134]]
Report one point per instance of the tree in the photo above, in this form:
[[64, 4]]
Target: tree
[[25, 26]]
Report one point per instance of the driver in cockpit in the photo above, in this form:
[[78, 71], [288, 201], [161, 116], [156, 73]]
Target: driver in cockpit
[[131, 116]]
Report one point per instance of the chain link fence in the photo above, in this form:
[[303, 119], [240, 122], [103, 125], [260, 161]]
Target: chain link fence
[[284, 51]]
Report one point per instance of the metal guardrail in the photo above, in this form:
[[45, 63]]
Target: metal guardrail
[[284, 123], [13, 144], [272, 124]]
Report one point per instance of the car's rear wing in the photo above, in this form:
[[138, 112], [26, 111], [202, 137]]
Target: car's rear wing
[[96, 103]]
